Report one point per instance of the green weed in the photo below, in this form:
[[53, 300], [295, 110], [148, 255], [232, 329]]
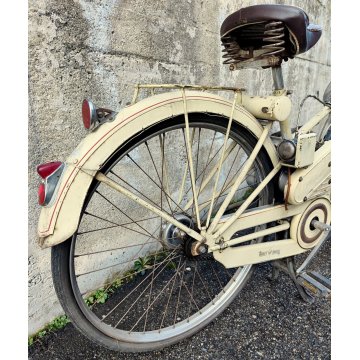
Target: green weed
[[56, 324]]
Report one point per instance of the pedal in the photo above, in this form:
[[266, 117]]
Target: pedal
[[317, 284]]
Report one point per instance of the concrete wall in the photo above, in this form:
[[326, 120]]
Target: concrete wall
[[100, 49]]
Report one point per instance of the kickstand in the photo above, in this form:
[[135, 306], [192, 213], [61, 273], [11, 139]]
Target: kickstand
[[292, 273], [274, 274], [287, 266]]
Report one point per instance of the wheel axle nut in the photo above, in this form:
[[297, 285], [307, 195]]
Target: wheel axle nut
[[202, 249], [198, 249]]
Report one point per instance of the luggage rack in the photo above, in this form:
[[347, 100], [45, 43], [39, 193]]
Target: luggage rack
[[183, 87]]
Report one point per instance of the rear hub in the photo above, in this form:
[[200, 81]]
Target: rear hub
[[173, 237]]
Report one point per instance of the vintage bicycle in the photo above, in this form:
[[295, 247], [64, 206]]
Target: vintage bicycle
[[157, 217]]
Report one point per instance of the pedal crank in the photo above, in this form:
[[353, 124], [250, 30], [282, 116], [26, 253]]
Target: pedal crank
[[315, 283]]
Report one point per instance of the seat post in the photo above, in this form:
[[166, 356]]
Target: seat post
[[277, 77], [278, 80]]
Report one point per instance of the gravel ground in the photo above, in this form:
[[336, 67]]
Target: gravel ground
[[267, 320]]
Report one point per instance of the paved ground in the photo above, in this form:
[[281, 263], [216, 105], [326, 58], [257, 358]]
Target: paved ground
[[266, 321]]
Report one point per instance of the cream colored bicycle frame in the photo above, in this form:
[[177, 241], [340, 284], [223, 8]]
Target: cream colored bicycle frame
[[59, 220]]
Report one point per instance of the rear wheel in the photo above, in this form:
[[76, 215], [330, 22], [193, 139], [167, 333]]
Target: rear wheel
[[126, 278]]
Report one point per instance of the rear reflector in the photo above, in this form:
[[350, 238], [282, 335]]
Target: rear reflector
[[88, 114], [44, 170]]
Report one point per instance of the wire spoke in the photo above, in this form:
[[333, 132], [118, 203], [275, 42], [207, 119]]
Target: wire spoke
[[190, 294], [207, 161], [204, 170], [124, 262], [222, 157], [192, 286], [154, 268], [227, 176], [203, 284], [229, 185], [186, 169], [132, 274], [178, 298], [117, 225], [163, 289], [146, 197], [225, 183], [137, 299], [212, 173], [161, 190], [114, 249], [146, 174], [171, 291], [122, 212], [114, 226], [217, 277], [151, 288], [164, 174], [258, 198]]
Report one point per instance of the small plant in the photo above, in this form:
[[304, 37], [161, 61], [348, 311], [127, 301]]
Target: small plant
[[115, 285], [161, 255], [171, 265], [142, 264], [129, 275], [98, 297], [56, 324]]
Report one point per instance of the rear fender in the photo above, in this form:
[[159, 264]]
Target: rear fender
[[59, 221]]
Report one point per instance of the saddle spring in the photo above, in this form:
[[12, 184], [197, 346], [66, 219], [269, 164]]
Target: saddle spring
[[232, 51], [251, 38], [274, 35]]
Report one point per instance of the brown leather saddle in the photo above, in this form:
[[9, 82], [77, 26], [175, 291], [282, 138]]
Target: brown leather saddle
[[267, 30]]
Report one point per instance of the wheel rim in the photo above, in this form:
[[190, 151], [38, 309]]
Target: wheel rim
[[169, 293]]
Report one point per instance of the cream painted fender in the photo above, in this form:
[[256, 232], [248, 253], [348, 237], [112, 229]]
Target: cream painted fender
[[59, 220]]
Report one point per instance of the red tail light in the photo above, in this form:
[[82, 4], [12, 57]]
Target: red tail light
[[89, 114], [44, 170], [41, 193], [50, 173]]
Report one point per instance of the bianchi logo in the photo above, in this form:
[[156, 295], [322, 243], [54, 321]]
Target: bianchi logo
[[269, 252]]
